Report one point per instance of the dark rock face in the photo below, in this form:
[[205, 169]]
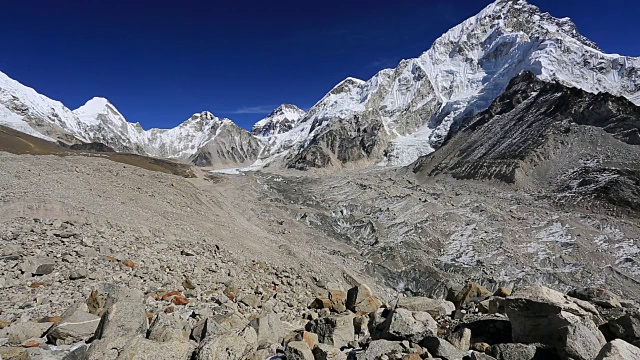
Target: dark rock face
[[581, 145], [233, 146], [356, 140], [94, 146]]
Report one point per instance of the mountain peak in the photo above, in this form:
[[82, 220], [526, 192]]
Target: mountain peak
[[284, 118]]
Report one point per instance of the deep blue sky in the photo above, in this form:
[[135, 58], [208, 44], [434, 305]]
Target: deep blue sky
[[160, 61]]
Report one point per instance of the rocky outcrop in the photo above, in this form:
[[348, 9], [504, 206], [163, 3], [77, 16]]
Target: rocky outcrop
[[578, 144], [231, 147]]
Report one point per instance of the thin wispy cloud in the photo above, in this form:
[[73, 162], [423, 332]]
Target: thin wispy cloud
[[261, 109]]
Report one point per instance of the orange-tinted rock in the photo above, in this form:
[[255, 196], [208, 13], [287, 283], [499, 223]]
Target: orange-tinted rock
[[411, 357], [31, 344], [36, 284], [321, 303], [51, 319], [4, 324], [170, 294], [180, 300], [310, 338], [129, 263], [169, 310], [338, 300]]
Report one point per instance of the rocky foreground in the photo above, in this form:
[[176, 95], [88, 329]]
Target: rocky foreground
[[280, 319]]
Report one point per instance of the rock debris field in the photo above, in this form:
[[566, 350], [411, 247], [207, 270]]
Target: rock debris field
[[100, 260]]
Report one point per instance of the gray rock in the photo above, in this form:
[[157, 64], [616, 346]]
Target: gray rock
[[144, 349], [361, 300], [512, 351], [269, 328], [379, 348], [581, 341], [403, 324], [251, 300], [78, 274], [537, 313], [336, 330], [165, 328], [37, 265], [44, 269], [618, 350], [14, 353], [435, 308], [298, 350], [123, 319], [461, 339], [206, 327], [110, 348], [75, 326], [627, 326], [328, 352], [78, 352], [224, 347], [602, 297], [480, 356], [18, 333], [442, 348]]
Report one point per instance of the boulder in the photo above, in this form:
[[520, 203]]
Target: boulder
[[626, 327], [402, 324], [75, 326], [320, 303], [310, 338], [598, 296], [144, 349], [618, 350], [480, 356], [206, 327], [123, 319], [328, 352], [165, 328], [442, 348], [502, 292], [580, 341], [38, 266], [512, 351], [338, 300], [361, 300], [537, 313], [14, 353], [231, 321], [336, 330], [379, 348], [436, 308], [298, 350], [461, 339], [269, 328], [496, 305], [490, 329], [20, 332], [123, 323], [224, 347], [472, 291]]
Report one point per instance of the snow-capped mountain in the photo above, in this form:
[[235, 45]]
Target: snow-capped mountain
[[393, 118], [23, 109], [281, 120], [421, 100]]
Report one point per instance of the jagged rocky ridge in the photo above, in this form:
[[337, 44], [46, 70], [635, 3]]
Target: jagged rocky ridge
[[581, 145], [412, 108], [393, 118]]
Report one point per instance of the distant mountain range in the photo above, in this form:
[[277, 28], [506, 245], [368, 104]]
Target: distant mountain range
[[392, 119]]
